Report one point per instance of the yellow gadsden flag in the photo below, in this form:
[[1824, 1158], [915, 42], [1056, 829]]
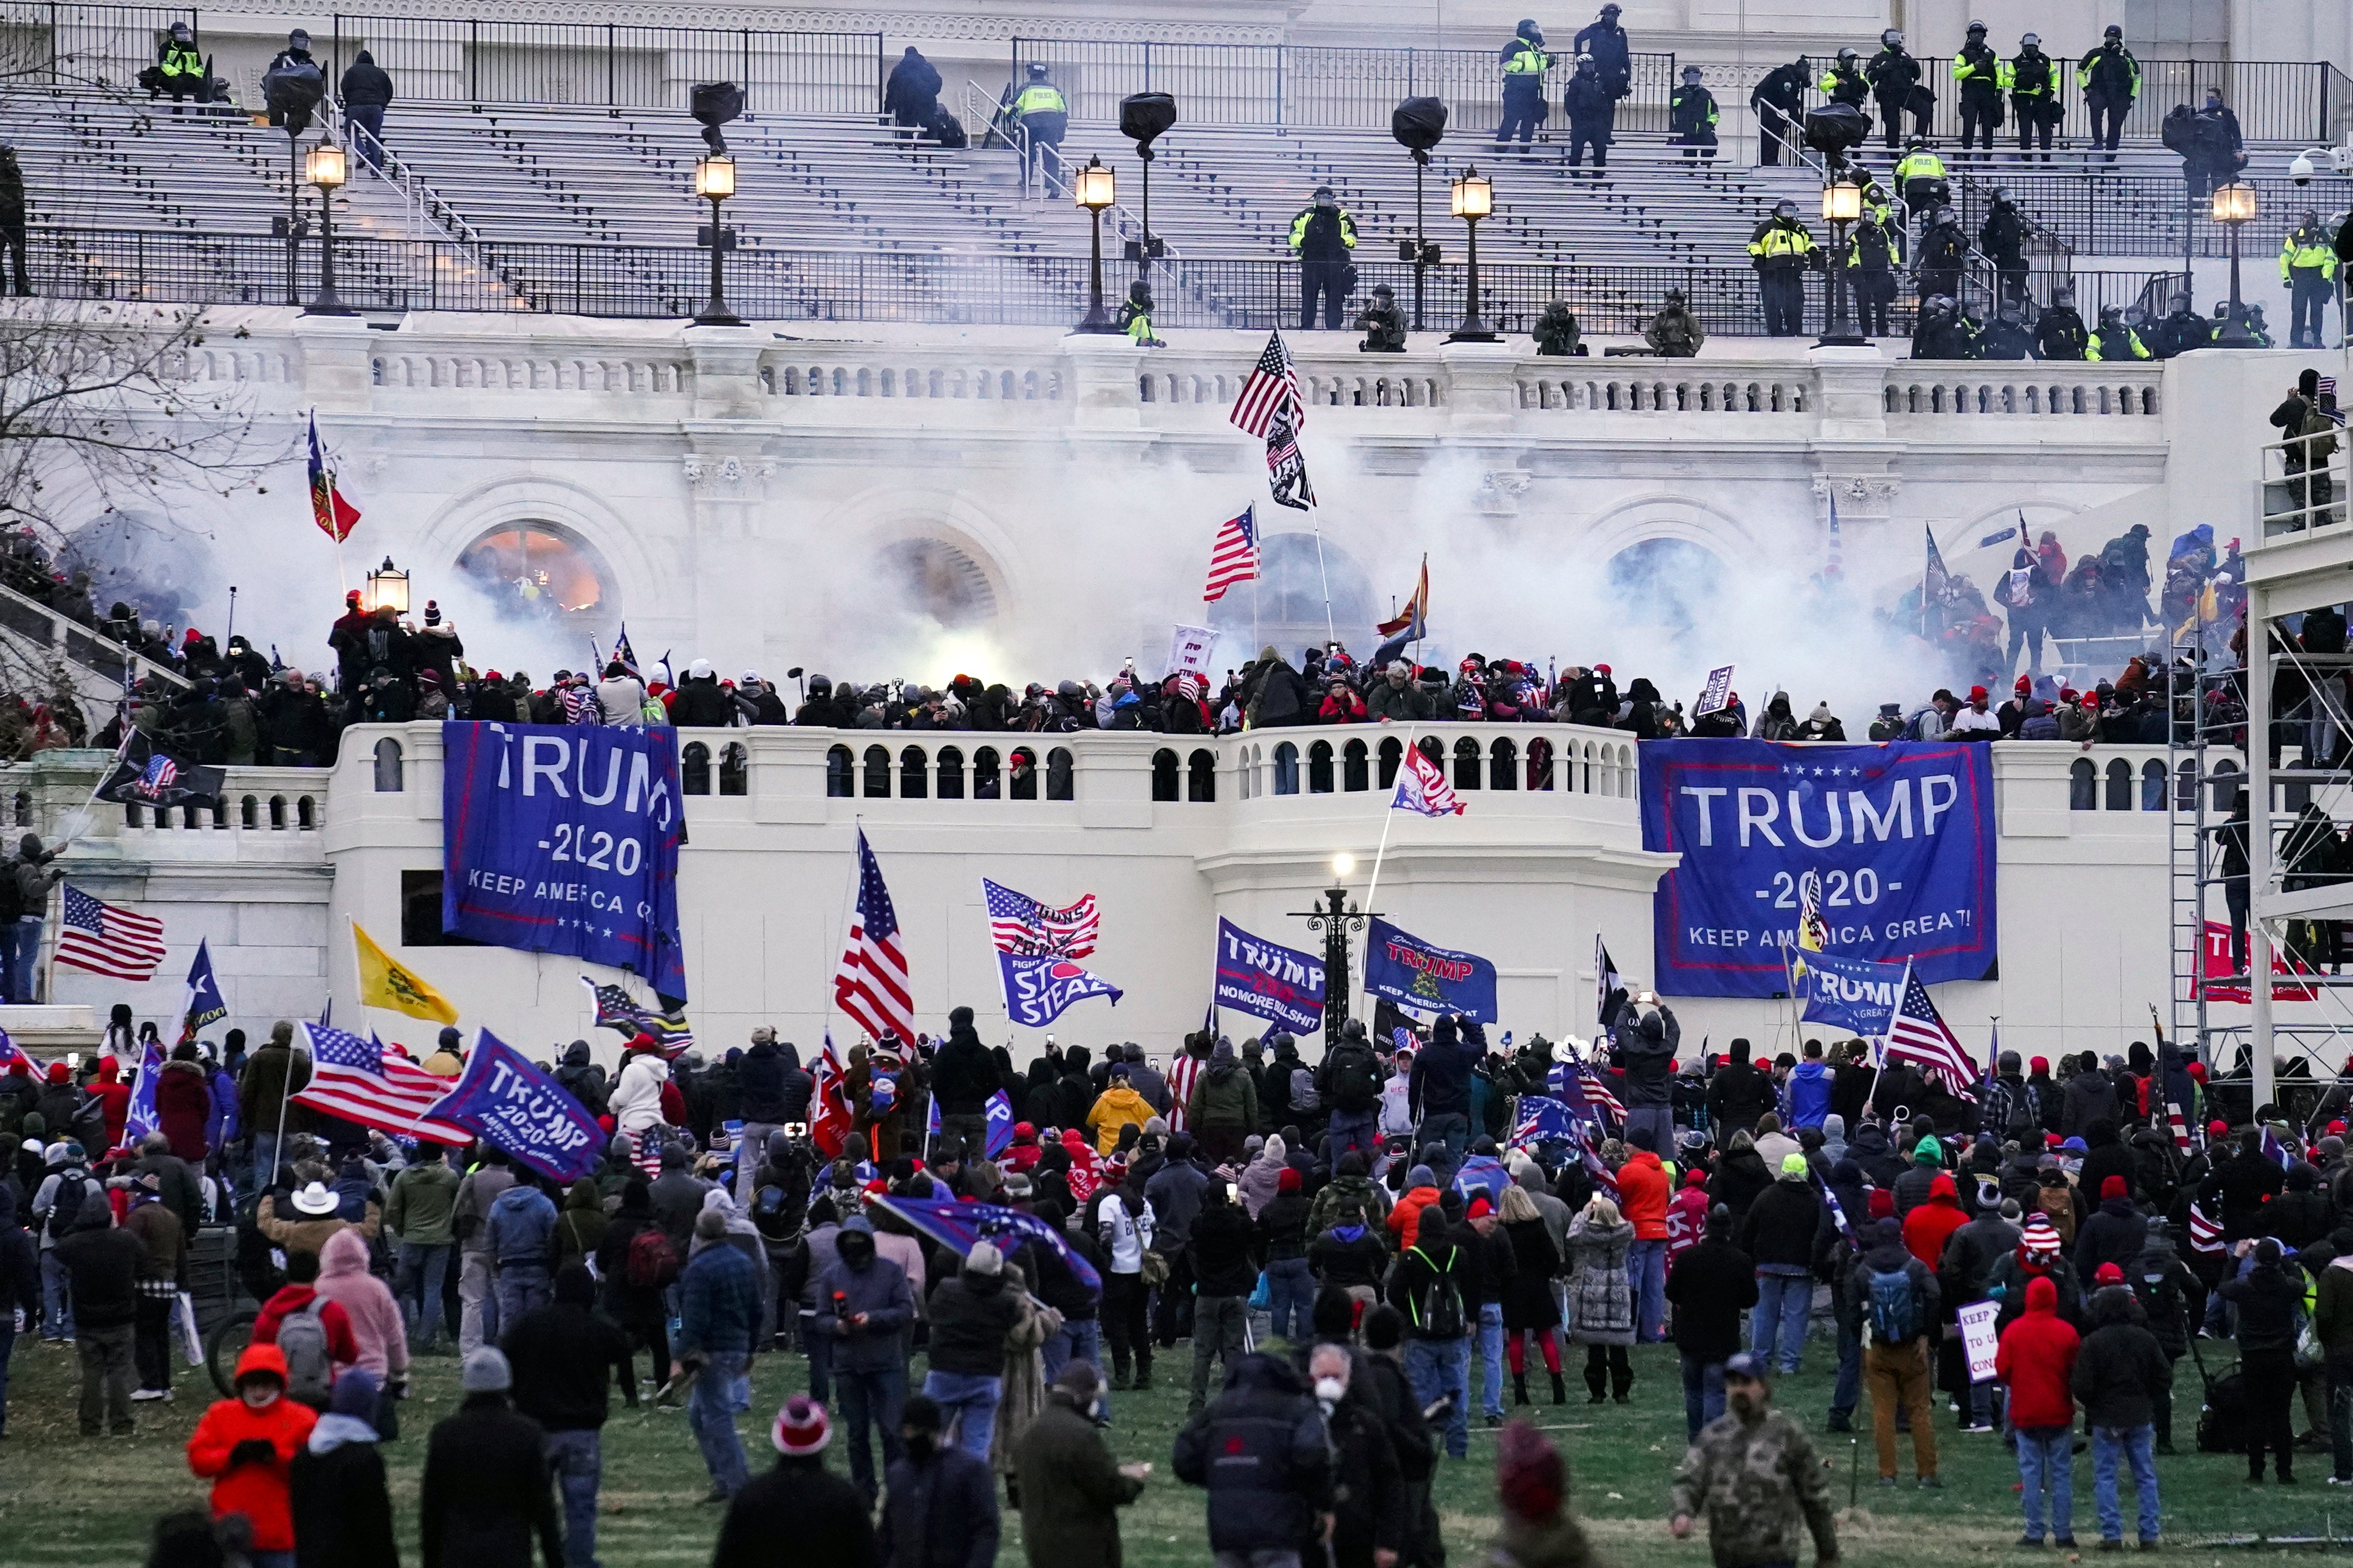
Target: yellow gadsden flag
[[385, 982]]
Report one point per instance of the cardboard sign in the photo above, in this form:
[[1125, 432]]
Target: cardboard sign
[[1978, 1338]]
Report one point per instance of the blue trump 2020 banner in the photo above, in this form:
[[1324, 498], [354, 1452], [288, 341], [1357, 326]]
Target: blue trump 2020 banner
[[1281, 985], [1430, 979], [1851, 992], [1900, 837], [513, 1104], [562, 838]]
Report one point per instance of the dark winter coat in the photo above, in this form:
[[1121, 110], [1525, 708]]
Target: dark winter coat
[[1219, 1249], [2090, 1098], [1646, 1051], [562, 1357], [341, 1511], [2268, 1301], [1780, 1224], [940, 1512], [1528, 1296], [364, 84], [800, 1502], [1258, 1449], [1740, 1178], [1712, 1284], [2113, 1235], [1072, 1491], [2120, 1373], [964, 1075], [1739, 1095], [485, 1494], [970, 1315], [2245, 1183]]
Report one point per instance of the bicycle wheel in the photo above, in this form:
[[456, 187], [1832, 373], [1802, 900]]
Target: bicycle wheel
[[223, 1346]]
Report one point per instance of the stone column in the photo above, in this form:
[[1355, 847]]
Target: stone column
[[726, 470]]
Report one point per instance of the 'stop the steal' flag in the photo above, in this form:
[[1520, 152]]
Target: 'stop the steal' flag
[[513, 1104], [1901, 835], [1421, 786], [1281, 985], [560, 839], [1422, 975], [1038, 988]]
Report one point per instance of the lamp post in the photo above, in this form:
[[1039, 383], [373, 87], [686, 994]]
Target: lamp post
[[1842, 205], [2234, 208], [1094, 188], [1335, 919], [714, 182], [326, 169], [1473, 197], [389, 585]]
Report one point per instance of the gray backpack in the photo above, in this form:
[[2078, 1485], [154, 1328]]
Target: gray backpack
[[302, 1340]]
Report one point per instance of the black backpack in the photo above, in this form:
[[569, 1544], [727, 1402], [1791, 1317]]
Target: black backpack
[[2180, 130], [65, 1205], [2222, 1422], [1438, 1311], [1355, 1081], [947, 129]]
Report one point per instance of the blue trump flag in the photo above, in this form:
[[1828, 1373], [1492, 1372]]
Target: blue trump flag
[[140, 1119], [1038, 988], [956, 1225], [202, 1004], [1281, 985], [1414, 973], [999, 1114], [1851, 993], [1900, 835], [563, 838], [1482, 1173], [1545, 1119], [510, 1101]]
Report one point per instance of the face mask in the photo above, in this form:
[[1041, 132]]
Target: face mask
[[921, 1444], [1330, 1390], [1743, 1404]]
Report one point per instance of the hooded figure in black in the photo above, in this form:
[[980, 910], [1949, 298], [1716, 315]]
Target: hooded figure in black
[[912, 97]]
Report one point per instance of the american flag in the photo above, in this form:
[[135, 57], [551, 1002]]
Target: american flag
[[1597, 1093], [1542, 1118], [160, 775], [11, 1054], [2205, 1235], [2179, 1126], [359, 1081], [580, 705], [1183, 1074], [1918, 1034], [871, 984], [617, 1010], [1019, 924], [1234, 557], [1273, 386], [109, 941], [1421, 786], [1287, 470]]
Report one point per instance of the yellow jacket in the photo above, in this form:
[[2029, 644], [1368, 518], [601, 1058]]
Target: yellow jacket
[[1114, 1108], [2307, 248]]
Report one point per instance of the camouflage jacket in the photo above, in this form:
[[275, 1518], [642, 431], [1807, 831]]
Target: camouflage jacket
[[1759, 1487]]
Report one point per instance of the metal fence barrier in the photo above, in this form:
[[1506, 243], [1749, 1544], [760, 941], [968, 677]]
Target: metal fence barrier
[[2142, 214], [2275, 101], [81, 46]]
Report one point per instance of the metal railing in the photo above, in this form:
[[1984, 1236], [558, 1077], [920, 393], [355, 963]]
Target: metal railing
[[1312, 85], [611, 65], [2275, 101], [2143, 215], [82, 45]]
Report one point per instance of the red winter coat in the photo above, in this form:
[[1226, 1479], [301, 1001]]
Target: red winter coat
[[1687, 1217], [2036, 1359], [1642, 1196], [184, 1103], [259, 1492], [1929, 1226], [116, 1096]]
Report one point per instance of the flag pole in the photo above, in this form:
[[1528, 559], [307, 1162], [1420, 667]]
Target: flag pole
[[1317, 528], [1388, 814]]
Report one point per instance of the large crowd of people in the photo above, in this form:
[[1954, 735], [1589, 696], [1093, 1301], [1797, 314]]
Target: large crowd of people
[[1419, 1230]]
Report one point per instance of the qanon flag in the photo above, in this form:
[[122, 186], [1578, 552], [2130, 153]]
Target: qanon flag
[[1407, 970], [1281, 985], [1038, 988], [512, 1103]]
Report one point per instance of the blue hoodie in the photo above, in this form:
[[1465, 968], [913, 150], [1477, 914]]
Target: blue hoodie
[[1810, 1094], [520, 1222]]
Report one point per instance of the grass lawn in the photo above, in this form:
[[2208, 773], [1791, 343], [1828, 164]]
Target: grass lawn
[[69, 1500]]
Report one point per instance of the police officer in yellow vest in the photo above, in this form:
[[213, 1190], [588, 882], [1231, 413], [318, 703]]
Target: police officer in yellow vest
[[2309, 270], [182, 68], [2037, 88], [2110, 78], [2114, 339], [1781, 250], [1524, 63], [1843, 82], [1136, 317], [1978, 71], [1044, 116], [1322, 236]]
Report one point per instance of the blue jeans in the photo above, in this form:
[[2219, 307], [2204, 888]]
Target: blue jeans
[[1777, 1321], [1491, 1358], [710, 1412], [365, 123], [1361, 1132], [1702, 1393], [577, 1459], [1646, 1273], [1850, 1371], [967, 1402], [2046, 1459], [2137, 1445], [270, 1558], [871, 1399], [1292, 1284], [431, 1267], [520, 1287], [1438, 1367], [1451, 1128], [57, 1299], [22, 940], [1080, 1340]]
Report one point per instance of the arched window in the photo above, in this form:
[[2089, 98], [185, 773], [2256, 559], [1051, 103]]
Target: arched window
[[2185, 786], [1502, 766], [1201, 776], [1246, 774], [2226, 784], [388, 767], [1286, 769], [1540, 764], [544, 573], [25, 808], [1025, 774], [878, 773], [914, 769], [2082, 786], [950, 780], [1165, 781], [277, 814], [2120, 791], [1355, 768], [1392, 758], [1467, 763], [2152, 785], [694, 768], [735, 769], [249, 813], [1058, 775], [1319, 768], [306, 813], [840, 782], [986, 783]]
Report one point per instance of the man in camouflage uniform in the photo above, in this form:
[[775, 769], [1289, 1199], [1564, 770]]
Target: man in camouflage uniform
[[1755, 1476]]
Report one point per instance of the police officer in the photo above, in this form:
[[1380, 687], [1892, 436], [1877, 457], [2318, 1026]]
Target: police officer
[[2217, 150], [1590, 111], [1942, 332], [2182, 330], [1895, 77], [1612, 52], [1779, 102], [2308, 271], [2002, 237], [2006, 337], [12, 216], [1942, 250], [1674, 332], [2110, 79], [1382, 323], [1525, 62], [1692, 115], [1873, 251], [1136, 317], [1781, 250], [1044, 116], [1920, 175], [1979, 73], [1843, 83], [1322, 236], [2059, 332], [183, 68], [295, 55], [2114, 340], [2036, 92]]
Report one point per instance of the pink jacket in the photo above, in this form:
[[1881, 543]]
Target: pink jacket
[[344, 1280], [908, 1254]]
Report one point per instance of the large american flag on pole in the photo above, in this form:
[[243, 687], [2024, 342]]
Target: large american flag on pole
[[1019, 924], [108, 941], [871, 984], [1233, 556], [1273, 386], [1918, 1034], [361, 1081]]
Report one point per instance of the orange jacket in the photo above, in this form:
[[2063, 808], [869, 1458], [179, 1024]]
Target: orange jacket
[[1643, 1195], [259, 1492], [1404, 1220]]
